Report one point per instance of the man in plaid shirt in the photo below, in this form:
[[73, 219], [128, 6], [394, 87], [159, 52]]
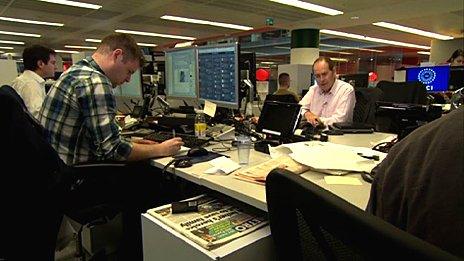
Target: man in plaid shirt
[[80, 110], [79, 114]]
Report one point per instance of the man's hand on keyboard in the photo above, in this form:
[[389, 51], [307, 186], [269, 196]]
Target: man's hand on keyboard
[[171, 146]]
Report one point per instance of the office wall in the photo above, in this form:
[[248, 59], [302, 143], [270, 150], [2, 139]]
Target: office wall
[[8, 71], [441, 50]]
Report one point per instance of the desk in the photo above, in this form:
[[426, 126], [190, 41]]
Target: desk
[[255, 194], [161, 242]]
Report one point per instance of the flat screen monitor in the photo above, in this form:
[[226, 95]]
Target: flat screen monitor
[[131, 89], [181, 73], [435, 78], [278, 119], [358, 80], [456, 80], [219, 75]]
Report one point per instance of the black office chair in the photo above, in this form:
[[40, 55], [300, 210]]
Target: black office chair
[[35, 192], [364, 109], [403, 92], [288, 98], [310, 223]]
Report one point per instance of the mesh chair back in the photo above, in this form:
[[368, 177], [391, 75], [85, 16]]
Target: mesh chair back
[[281, 98], [364, 110], [310, 223]]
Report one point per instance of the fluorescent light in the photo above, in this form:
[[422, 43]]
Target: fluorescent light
[[80, 47], [73, 3], [9, 19], [11, 42], [6, 47], [327, 51], [421, 52], [20, 34], [373, 39], [309, 6], [147, 44], [65, 51], [413, 31], [139, 44], [338, 59], [350, 47], [154, 34], [93, 40], [205, 22]]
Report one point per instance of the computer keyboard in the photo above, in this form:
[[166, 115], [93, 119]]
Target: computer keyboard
[[218, 130], [190, 141]]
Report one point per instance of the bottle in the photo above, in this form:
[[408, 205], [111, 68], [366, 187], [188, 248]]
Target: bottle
[[200, 125]]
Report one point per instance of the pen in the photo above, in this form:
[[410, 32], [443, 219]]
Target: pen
[[373, 157], [173, 133]]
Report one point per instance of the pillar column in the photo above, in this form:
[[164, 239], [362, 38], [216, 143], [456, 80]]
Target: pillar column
[[304, 46]]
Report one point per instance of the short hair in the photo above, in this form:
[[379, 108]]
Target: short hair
[[327, 60], [283, 77], [35, 53], [125, 42], [455, 55]]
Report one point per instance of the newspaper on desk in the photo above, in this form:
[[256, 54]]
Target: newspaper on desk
[[215, 223], [324, 157], [258, 173]]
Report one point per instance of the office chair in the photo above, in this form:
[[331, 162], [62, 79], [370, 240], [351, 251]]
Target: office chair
[[281, 98], [403, 92], [34, 194], [364, 109], [310, 223]]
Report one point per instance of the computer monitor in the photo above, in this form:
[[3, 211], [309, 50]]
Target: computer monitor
[[219, 75], [132, 89], [278, 119], [456, 80], [358, 80], [435, 78], [181, 73]]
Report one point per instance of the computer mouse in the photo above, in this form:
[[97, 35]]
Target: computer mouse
[[183, 163], [197, 152]]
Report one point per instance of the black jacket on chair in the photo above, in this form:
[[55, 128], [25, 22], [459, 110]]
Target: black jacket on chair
[[33, 181]]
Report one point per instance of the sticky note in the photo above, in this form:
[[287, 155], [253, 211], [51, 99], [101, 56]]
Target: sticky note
[[210, 108]]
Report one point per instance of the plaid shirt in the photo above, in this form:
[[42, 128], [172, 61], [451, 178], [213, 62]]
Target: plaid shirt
[[79, 114]]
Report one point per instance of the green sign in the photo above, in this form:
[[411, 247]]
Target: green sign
[[269, 21]]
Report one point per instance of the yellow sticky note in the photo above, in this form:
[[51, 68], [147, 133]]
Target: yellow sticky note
[[337, 180], [210, 108]]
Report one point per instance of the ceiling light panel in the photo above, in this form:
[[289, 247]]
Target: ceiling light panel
[[373, 39], [411, 30], [11, 42], [73, 3], [139, 44], [309, 6], [20, 34], [6, 48], [205, 22], [155, 34], [65, 51], [81, 47], [25, 21], [93, 40]]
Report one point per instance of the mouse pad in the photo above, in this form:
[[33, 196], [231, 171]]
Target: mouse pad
[[193, 160]]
